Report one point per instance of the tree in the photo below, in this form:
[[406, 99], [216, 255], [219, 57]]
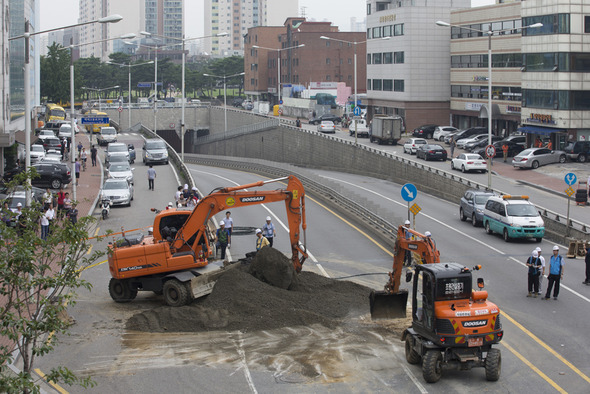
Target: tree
[[55, 74], [38, 279]]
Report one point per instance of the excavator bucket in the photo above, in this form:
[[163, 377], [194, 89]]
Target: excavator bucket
[[385, 305]]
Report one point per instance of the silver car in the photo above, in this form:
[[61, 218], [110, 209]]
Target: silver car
[[535, 157], [121, 171], [119, 191]]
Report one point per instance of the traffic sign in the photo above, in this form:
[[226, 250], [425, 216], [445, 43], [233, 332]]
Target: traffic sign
[[144, 84], [415, 209], [280, 102], [409, 192], [280, 111], [490, 151], [120, 109], [569, 191], [95, 120], [357, 111], [570, 178]]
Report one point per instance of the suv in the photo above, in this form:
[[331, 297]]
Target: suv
[[107, 135], [472, 205], [517, 139], [116, 149], [513, 217], [332, 118], [578, 150], [155, 151], [470, 132], [425, 131]]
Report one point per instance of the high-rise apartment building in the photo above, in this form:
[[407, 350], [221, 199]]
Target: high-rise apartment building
[[236, 16], [165, 18]]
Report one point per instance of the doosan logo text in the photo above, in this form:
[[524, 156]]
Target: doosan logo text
[[252, 199], [475, 323]]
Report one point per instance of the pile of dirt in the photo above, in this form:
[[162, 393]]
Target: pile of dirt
[[242, 301]]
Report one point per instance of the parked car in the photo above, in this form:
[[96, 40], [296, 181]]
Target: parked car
[[535, 157], [52, 156], [578, 150], [517, 139], [425, 131], [52, 143], [155, 151], [470, 132], [442, 131], [53, 175], [472, 205], [327, 126], [476, 138], [469, 162], [65, 131], [482, 143], [237, 102], [121, 171], [119, 191], [37, 153], [412, 145], [54, 125], [513, 149], [333, 118], [116, 149], [431, 152], [46, 133]]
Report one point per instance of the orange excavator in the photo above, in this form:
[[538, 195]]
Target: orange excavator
[[177, 259], [452, 324]]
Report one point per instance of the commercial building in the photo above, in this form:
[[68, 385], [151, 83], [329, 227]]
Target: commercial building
[[408, 74], [319, 61], [236, 16]]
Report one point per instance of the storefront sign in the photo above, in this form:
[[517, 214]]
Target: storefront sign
[[387, 18], [473, 106], [541, 118], [479, 78], [323, 85], [512, 109]]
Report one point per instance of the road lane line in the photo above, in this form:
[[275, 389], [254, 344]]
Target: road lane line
[[242, 355], [544, 345], [54, 385], [534, 368]]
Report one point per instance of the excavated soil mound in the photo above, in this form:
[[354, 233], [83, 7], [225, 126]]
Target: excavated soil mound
[[273, 267], [241, 301]]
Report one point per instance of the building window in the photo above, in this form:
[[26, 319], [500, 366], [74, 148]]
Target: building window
[[586, 24], [328, 78], [328, 60], [387, 31], [369, 9], [368, 34], [369, 84], [327, 43], [398, 85], [387, 58], [552, 24], [377, 32], [387, 85], [398, 30], [398, 57], [377, 84], [368, 58], [377, 58], [349, 61]]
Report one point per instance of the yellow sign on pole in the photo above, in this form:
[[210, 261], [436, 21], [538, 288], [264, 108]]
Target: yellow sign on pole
[[415, 209], [569, 191]]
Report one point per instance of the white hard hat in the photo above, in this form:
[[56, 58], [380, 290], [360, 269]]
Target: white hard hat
[[407, 222], [535, 253], [268, 218], [19, 205], [194, 188], [427, 234], [170, 204], [538, 249], [258, 231], [222, 223], [556, 247], [186, 186]]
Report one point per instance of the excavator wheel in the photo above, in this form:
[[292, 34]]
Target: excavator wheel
[[411, 355], [493, 365], [432, 366], [175, 293], [120, 291]]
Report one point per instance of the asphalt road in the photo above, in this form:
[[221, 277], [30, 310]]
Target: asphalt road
[[543, 350]]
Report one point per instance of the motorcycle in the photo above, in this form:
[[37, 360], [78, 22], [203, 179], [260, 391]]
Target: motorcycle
[[105, 206]]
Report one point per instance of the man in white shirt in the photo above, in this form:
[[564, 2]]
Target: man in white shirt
[[542, 259]]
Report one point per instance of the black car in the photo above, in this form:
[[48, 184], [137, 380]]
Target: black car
[[52, 143], [237, 102], [333, 118], [578, 150], [425, 131], [431, 152], [53, 175], [470, 132], [513, 149], [481, 144]]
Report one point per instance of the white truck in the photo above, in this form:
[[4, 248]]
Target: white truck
[[386, 129]]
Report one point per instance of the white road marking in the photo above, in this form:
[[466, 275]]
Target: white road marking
[[242, 355]]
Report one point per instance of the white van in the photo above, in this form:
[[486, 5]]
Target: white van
[[107, 135], [513, 217]]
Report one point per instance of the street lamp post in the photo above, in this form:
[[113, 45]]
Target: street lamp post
[[27, 71], [490, 33], [278, 50], [129, 86], [224, 96]]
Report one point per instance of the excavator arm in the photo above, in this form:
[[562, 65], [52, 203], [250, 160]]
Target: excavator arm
[[194, 229]]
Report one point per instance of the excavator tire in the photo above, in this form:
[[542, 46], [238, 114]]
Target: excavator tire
[[493, 365], [120, 291], [432, 366], [175, 293], [411, 355]]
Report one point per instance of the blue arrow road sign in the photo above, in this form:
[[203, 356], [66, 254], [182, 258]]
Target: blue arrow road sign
[[570, 178], [409, 192], [95, 120], [357, 111]]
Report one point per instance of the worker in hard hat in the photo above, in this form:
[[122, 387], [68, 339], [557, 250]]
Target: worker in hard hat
[[222, 239], [268, 230], [261, 240], [408, 253]]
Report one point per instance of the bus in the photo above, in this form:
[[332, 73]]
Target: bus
[[54, 112], [95, 128]]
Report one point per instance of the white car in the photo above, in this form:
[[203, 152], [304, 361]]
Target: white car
[[65, 131], [469, 162], [119, 191], [412, 145], [464, 141], [37, 153], [327, 126], [442, 131], [121, 171], [46, 133]]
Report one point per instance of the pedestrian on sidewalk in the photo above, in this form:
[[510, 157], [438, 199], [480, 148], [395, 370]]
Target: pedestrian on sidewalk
[[151, 175], [83, 158], [556, 266], [93, 153], [587, 260], [61, 195], [77, 169], [505, 151], [80, 146], [452, 143]]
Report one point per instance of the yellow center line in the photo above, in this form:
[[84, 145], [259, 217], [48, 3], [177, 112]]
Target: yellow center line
[[533, 367], [54, 385], [544, 345]]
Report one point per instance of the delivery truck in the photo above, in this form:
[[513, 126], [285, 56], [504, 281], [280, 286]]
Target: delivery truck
[[386, 129]]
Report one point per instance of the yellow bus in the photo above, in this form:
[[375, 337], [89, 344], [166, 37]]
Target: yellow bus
[[54, 112], [96, 126]]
